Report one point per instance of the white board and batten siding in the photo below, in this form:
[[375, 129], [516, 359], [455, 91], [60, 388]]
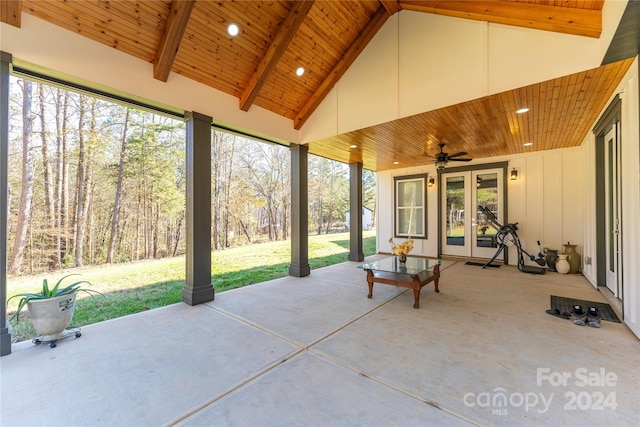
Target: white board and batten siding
[[546, 201], [553, 200]]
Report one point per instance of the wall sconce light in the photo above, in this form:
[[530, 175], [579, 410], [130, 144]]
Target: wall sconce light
[[432, 182], [478, 181], [514, 174]]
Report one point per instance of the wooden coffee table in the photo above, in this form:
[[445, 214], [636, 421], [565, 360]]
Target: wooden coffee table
[[414, 274]]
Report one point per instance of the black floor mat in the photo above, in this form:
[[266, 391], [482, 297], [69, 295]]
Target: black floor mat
[[480, 264], [565, 304]]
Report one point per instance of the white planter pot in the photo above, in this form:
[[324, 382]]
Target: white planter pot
[[50, 317]]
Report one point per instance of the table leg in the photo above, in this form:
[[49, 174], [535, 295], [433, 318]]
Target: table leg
[[436, 275], [416, 292], [370, 283]]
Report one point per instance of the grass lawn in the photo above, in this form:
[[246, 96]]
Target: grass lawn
[[139, 286]]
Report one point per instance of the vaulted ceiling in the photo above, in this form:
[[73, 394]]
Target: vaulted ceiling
[[258, 66]]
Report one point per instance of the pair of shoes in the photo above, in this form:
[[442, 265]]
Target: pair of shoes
[[558, 313], [593, 317], [578, 316]]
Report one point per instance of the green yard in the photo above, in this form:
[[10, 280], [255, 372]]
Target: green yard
[[139, 286]]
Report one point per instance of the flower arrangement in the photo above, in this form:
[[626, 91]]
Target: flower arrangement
[[403, 248]]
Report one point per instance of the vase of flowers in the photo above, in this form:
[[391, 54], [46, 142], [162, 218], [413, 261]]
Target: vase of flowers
[[402, 249]]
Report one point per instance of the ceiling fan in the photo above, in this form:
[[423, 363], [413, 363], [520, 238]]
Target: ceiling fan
[[443, 158]]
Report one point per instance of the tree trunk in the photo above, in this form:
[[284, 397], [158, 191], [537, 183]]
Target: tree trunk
[[58, 184], [285, 222], [118, 202], [26, 193], [227, 192], [245, 230], [46, 164], [215, 186], [64, 186], [156, 230], [86, 209], [136, 254], [178, 233], [80, 185]]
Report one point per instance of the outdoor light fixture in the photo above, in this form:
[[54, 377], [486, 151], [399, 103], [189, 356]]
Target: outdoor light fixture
[[432, 181], [522, 110], [478, 181], [299, 71], [514, 174]]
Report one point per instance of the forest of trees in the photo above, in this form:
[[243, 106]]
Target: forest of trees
[[93, 181]]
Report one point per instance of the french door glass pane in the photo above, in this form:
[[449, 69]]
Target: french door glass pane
[[486, 197], [612, 200], [454, 188]]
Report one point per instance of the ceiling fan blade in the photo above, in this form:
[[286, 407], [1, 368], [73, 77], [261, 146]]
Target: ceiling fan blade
[[461, 153], [459, 160]]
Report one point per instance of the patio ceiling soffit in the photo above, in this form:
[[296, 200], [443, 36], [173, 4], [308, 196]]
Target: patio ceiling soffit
[[106, 22]]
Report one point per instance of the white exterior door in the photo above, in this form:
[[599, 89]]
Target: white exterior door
[[465, 231]]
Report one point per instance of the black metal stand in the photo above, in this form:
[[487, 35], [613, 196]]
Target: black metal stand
[[507, 236]]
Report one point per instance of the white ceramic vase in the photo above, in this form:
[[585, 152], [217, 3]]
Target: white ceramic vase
[[562, 265]]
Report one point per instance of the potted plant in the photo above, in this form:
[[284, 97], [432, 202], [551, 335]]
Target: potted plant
[[51, 309]]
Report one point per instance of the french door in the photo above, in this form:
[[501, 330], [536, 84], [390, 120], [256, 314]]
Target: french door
[[465, 230], [612, 213]]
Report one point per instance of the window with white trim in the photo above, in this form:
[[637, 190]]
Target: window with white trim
[[410, 203]]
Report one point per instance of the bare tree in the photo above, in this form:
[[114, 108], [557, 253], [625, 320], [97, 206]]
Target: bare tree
[[62, 176], [118, 200], [80, 185], [46, 162], [26, 193]]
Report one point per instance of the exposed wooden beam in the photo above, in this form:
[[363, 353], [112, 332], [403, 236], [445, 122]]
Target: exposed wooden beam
[[356, 48], [292, 22], [392, 6], [10, 11], [581, 22], [171, 38]]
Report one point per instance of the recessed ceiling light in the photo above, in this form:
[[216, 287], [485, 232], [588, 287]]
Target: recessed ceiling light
[[522, 110], [299, 71], [353, 146], [396, 162], [528, 144], [233, 30]]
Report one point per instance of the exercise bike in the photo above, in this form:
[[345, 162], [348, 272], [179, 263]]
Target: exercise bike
[[507, 236]]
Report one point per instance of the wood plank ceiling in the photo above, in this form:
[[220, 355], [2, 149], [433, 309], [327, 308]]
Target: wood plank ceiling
[[258, 66], [561, 113]]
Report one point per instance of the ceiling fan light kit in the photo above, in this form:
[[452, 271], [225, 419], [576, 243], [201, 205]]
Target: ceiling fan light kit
[[442, 158]]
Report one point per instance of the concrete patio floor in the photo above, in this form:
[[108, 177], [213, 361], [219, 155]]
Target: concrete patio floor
[[315, 351]]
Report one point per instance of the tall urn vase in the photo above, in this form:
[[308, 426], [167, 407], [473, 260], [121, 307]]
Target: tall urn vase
[[573, 258]]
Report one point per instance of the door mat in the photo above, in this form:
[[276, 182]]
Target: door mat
[[480, 264], [564, 305]]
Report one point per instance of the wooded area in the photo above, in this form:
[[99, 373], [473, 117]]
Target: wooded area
[[93, 182]]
